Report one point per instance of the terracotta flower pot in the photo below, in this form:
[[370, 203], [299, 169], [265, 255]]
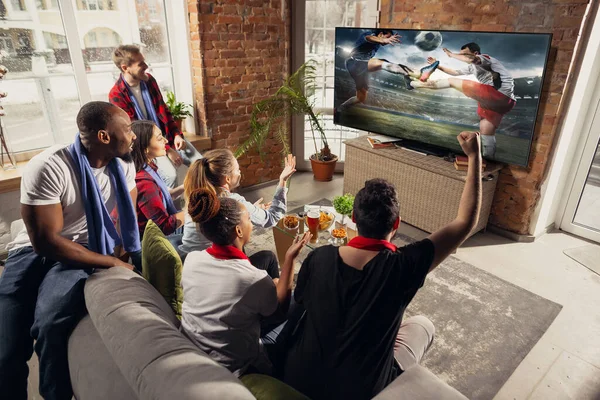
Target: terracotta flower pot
[[323, 170]]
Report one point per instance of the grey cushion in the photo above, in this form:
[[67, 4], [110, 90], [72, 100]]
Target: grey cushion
[[419, 383], [94, 374], [141, 334]]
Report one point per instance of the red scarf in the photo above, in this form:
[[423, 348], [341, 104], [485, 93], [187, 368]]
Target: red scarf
[[363, 243], [226, 252]]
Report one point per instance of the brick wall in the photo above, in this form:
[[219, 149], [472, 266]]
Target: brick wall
[[240, 55], [518, 188]]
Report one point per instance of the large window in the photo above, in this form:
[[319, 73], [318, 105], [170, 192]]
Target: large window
[[60, 58], [319, 20]]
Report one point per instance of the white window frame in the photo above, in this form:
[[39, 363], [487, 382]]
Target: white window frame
[[298, 58], [179, 49]]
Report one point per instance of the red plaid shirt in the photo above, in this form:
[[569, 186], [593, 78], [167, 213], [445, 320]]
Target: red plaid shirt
[[119, 96], [150, 204]]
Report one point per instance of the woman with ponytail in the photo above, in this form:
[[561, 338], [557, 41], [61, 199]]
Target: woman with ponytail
[[219, 173], [226, 295], [154, 199]]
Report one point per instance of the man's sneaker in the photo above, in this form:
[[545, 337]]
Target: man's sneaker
[[407, 81], [428, 70]]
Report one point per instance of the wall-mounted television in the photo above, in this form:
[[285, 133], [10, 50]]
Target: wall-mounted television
[[425, 87]]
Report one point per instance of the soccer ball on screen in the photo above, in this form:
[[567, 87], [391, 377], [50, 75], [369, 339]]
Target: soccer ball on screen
[[428, 40]]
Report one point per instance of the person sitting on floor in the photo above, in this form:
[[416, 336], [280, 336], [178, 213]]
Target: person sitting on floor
[[154, 199], [137, 93], [73, 198], [351, 341], [225, 293], [219, 172]]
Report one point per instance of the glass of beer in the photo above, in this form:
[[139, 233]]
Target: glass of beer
[[312, 220]]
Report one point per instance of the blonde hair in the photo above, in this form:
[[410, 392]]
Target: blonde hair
[[123, 55], [208, 172]]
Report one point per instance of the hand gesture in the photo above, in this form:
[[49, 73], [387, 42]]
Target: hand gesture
[[288, 170], [448, 52], [393, 39], [431, 60], [179, 142], [258, 203], [174, 157], [123, 264], [470, 143], [297, 245]]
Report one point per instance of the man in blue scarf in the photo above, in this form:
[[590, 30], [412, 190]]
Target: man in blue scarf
[[77, 205], [137, 92]]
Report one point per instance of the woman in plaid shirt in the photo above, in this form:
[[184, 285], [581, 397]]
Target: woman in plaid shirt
[[155, 199]]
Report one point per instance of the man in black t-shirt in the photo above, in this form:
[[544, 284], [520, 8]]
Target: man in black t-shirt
[[351, 342]]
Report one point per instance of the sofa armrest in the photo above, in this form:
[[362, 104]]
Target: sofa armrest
[[141, 333], [418, 382]]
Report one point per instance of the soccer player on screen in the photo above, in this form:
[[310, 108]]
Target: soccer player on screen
[[494, 90], [362, 61]]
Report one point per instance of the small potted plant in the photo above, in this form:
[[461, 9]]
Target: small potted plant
[[178, 110], [294, 97], [343, 205]]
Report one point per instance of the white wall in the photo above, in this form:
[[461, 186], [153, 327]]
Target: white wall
[[576, 125]]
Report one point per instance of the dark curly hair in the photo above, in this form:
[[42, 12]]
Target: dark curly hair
[[376, 209], [93, 117], [216, 216], [384, 31]]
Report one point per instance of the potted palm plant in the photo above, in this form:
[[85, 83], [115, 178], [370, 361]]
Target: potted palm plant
[[178, 110], [294, 97]]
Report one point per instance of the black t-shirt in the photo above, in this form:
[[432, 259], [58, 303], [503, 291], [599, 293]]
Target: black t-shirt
[[344, 345]]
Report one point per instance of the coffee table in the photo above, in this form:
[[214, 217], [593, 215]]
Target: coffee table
[[284, 237]]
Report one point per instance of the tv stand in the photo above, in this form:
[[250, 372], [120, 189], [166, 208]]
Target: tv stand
[[429, 188], [422, 148]]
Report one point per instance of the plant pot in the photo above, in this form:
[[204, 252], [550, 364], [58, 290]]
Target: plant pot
[[323, 170], [178, 124]]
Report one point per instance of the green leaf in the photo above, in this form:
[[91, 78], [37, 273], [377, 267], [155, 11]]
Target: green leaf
[[294, 97]]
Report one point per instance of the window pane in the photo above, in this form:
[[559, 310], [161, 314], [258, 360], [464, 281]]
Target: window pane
[[322, 16], [141, 22], [42, 99]]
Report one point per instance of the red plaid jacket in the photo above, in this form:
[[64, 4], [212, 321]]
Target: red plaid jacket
[[150, 204], [119, 96]]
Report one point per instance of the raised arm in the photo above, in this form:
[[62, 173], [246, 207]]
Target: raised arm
[[466, 58], [448, 238], [44, 224], [376, 39], [444, 69], [284, 285]]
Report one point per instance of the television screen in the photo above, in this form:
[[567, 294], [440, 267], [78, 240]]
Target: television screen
[[428, 86]]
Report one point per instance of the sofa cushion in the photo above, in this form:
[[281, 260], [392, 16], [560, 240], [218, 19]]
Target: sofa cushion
[[142, 335], [418, 382], [161, 266], [94, 374], [264, 387]]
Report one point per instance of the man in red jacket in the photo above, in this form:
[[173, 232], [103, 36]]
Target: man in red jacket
[[137, 93]]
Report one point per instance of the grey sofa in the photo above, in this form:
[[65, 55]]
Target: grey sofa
[[130, 347]]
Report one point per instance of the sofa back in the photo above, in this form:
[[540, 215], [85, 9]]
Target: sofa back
[[141, 335]]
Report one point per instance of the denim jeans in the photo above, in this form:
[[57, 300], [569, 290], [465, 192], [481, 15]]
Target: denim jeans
[[43, 300], [166, 169]]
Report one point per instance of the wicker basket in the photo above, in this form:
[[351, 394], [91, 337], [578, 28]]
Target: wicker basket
[[429, 188]]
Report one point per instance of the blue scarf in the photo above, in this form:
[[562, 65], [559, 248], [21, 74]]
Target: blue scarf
[[167, 199], [147, 102], [102, 234]]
